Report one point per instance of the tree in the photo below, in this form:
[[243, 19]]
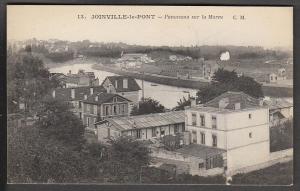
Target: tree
[[229, 81], [27, 81], [126, 158], [147, 106], [225, 76], [182, 103], [58, 122]]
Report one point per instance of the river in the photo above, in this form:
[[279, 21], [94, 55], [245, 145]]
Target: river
[[168, 96]]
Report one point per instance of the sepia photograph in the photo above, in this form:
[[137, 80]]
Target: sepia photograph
[[107, 94]]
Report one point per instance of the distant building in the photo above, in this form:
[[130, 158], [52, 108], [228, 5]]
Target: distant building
[[82, 78], [280, 110], [124, 86], [100, 106], [144, 127], [280, 75], [179, 58], [234, 122], [135, 60]]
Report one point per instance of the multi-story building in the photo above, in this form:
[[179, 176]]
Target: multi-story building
[[124, 86], [234, 122], [75, 95], [100, 106]]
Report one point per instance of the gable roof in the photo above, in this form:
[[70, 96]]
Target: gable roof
[[245, 100], [132, 84], [102, 98], [64, 94], [147, 121]]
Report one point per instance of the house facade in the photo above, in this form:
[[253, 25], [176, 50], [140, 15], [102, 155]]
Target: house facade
[[143, 127], [100, 106], [234, 122], [124, 86], [75, 95]]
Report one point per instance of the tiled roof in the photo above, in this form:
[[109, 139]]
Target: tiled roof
[[64, 94], [245, 100], [149, 120], [132, 84], [277, 103], [102, 98], [200, 151]]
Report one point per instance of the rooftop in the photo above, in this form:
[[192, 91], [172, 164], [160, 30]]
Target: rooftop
[[132, 84], [277, 103], [246, 101], [64, 94], [149, 120], [200, 151], [103, 98]]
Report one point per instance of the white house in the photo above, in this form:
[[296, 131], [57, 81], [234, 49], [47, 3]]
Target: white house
[[235, 122], [125, 86]]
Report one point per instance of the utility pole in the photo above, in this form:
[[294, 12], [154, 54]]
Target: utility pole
[[143, 92]]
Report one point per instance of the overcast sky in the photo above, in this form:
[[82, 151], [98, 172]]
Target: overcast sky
[[268, 27]]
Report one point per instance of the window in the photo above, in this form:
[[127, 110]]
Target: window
[[250, 135], [162, 132], [214, 162], [106, 110], [214, 122], [250, 116], [95, 109], [201, 165], [202, 119], [80, 115], [88, 121], [115, 99], [79, 104], [115, 110], [202, 138], [91, 109], [176, 128], [153, 132], [138, 133], [214, 139], [194, 136], [194, 119]]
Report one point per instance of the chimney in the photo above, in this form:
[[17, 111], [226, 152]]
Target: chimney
[[96, 98], [91, 91], [85, 97], [237, 106], [53, 94], [193, 102], [70, 72], [72, 93], [223, 103]]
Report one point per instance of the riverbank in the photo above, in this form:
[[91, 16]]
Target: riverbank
[[154, 78], [272, 91]]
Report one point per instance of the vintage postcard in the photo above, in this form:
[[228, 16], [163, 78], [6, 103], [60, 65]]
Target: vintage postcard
[[150, 94]]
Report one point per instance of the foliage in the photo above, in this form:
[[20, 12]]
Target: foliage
[[27, 81], [147, 106], [182, 103], [33, 158], [229, 81], [60, 56], [225, 76], [281, 136], [153, 175], [57, 121], [171, 142], [126, 157], [278, 174]]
